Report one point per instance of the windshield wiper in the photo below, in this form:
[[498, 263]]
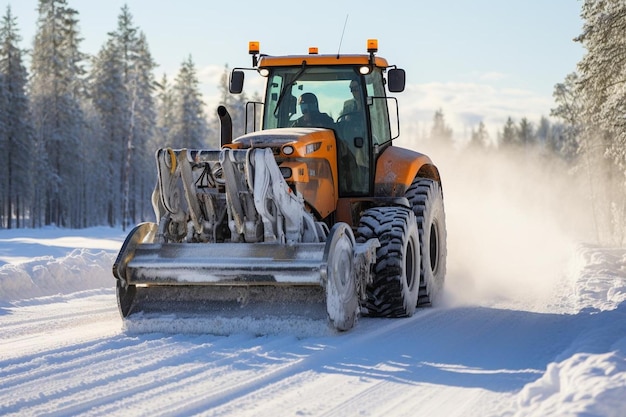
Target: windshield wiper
[[289, 84]]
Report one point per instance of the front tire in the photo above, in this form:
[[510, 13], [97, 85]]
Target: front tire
[[426, 199], [394, 290]]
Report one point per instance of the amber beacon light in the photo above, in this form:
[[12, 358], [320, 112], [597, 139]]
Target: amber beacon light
[[372, 46]]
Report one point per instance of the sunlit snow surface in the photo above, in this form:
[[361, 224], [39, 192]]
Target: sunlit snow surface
[[553, 345]]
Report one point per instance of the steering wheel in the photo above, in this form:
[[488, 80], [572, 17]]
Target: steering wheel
[[345, 116]]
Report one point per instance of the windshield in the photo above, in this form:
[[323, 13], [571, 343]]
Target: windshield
[[330, 87], [336, 98]]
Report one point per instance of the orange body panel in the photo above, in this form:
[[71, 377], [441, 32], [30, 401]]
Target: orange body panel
[[396, 169]]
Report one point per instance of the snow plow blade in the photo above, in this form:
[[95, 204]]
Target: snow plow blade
[[222, 280]]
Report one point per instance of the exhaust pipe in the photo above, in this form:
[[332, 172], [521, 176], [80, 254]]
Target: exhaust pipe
[[226, 124]]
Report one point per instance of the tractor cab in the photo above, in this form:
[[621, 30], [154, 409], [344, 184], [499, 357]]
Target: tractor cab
[[344, 93]]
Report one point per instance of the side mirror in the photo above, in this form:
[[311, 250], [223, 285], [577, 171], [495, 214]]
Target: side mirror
[[236, 82], [396, 79]]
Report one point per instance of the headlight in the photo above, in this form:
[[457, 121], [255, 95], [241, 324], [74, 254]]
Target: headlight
[[288, 150]]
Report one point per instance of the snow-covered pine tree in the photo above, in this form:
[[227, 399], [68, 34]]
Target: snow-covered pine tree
[[568, 111], [16, 131], [139, 182], [509, 136], [602, 70], [4, 175], [441, 133], [164, 114], [56, 90], [110, 100], [602, 91], [526, 133], [189, 126], [480, 137], [122, 89], [543, 132]]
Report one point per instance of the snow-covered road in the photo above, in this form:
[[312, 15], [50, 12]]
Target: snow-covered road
[[68, 354]]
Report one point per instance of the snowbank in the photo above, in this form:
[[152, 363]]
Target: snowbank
[[589, 378], [81, 269], [52, 260]]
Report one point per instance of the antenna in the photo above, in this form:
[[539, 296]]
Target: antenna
[[342, 32]]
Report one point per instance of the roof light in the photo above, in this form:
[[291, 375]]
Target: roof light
[[372, 46], [313, 50], [253, 47], [365, 69], [264, 72]]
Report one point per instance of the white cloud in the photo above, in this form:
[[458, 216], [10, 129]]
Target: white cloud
[[465, 105]]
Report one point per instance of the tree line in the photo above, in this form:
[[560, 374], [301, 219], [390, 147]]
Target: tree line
[[78, 132], [544, 134]]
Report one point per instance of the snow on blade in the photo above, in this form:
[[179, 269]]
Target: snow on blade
[[225, 326]]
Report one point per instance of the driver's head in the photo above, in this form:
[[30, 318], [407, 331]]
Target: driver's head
[[308, 103]]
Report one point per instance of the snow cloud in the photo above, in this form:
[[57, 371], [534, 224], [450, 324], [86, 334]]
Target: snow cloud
[[512, 219]]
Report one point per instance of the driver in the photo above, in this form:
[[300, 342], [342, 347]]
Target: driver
[[351, 122], [311, 115], [354, 104], [351, 128]]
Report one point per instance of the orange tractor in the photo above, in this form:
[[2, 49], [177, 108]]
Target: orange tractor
[[315, 214]]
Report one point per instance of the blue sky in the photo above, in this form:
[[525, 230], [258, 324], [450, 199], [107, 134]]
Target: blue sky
[[476, 60]]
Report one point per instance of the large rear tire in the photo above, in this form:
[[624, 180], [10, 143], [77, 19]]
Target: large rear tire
[[426, 199], [342, 303], [394, 290]]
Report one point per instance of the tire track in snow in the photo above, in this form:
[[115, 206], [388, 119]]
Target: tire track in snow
[[222, 374], [434, 359], [57, 312], [27, 330], [321, 375], [162, 365], [335, 348], [53, 379]]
